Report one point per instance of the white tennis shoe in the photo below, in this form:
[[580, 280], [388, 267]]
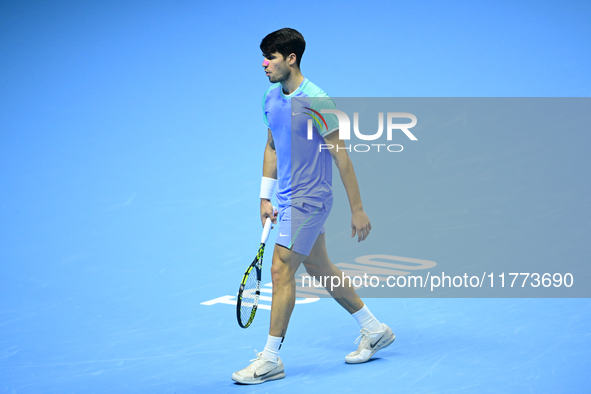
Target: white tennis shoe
[[260, 371], [370, 343]]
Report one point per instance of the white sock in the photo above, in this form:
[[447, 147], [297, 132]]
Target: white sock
[[271, 351], [367, 320]]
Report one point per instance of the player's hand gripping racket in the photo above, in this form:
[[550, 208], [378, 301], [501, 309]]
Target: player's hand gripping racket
[[250, 287]]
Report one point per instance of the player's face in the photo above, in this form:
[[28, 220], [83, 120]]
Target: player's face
[[276, 67]]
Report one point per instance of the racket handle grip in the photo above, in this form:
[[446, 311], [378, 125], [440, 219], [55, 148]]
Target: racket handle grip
[[267, 229]]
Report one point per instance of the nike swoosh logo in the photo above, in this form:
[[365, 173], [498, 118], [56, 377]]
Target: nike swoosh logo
[[283, 235], [294, 114], [258, 376], [372, 345]]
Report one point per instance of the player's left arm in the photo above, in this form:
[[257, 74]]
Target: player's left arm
[[359, 221]]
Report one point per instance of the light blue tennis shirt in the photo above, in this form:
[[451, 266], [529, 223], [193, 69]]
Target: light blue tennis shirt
[[304, 171]]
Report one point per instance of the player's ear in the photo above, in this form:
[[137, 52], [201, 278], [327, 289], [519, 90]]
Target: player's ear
[[291, 59]]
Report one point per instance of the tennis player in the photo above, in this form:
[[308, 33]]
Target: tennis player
[[302, 175]]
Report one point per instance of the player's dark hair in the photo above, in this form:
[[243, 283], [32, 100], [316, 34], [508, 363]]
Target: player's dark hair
[[285, 41]]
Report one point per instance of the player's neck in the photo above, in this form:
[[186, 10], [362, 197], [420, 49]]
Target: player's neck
[[292, 83]]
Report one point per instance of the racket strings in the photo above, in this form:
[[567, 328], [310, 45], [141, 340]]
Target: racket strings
[[250, 295], [250, 291]]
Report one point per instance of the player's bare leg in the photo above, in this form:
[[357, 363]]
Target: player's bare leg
[[319, 265], [374, 335], [285, 264], [268, 364]]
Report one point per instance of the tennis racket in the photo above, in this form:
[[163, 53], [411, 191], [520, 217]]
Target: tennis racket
[[250, 287]]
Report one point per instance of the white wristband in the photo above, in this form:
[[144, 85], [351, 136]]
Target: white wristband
[[268, 187]]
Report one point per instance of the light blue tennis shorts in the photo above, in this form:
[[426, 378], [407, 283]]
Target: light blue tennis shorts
[[301, 223]]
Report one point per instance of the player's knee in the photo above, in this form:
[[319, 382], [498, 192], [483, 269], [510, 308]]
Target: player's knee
[[275, 272], [279, 272]]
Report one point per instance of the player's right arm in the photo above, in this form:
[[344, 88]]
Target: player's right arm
[[269, 171]]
